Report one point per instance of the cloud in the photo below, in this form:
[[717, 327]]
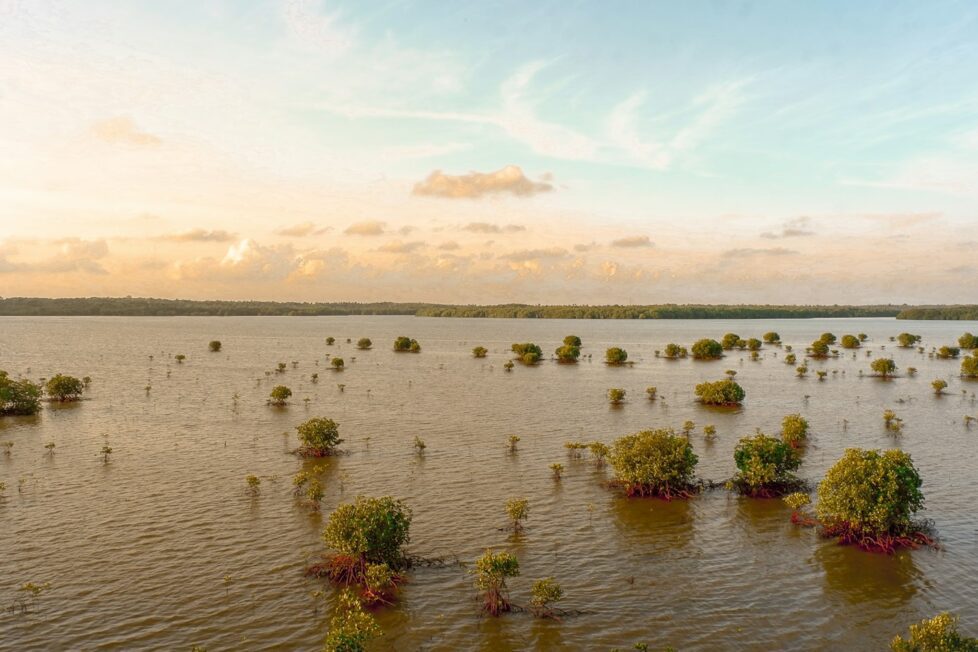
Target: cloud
[[486, 227], [398, 247], [633, 241], [73, 255], [508, 180], [799, 227], [369, 228], [525, 255], [123, 131], [451, 245], [584, 247], [199, 235], [748, 252], [301, 230]]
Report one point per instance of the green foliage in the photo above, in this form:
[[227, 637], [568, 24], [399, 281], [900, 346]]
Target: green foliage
[[568, 353], [214, 346], [674, 351], [850, 342], [870, 492], [948, 352], [907, 340], [651, 392], [654, 463], [364, 343], [794, 429], [557, 469], [64, 388], [790, 359], [330, 341], [517, 509], [406, 345], [721, 392], [572, 340], [753, 344], [527, 352], [351, 628], [828, 338], [819, 349], [764, 465], [729, 341], [969, 366], [280, 395], [771, 337], [616, 395], [479, 352], [884, 367], [319, 437], [968, 341], [254, 484], [797, 500], [18, 397], [707, 349], [179, 358], [544, 593], [491, 571], [615, 356], [372, 529], [939, 385], [938, 634], [337, 364]]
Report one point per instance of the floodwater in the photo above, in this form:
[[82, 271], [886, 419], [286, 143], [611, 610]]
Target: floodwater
[[137, 550]]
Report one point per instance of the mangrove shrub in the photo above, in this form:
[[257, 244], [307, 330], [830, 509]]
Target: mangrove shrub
[[721, 392], [707, 349], [406, 345], [64, 388], [654, 463], [615, 356], [18, 397], [764, 466], [319, 437]]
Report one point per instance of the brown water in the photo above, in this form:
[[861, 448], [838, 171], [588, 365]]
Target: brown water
[[136, 550]]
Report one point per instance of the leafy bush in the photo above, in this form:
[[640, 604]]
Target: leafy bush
[[654, 463], [675, 351], [721, 392], [707, 349], [939, 385], [753, 344], [568, 353], [771, 337], [869, 497], [479, 352], [64, 388], [729, 341], [939, 634], [543, 593], [280, 395], [764, 466], [517, 509], [364, 343], [406, 345], [572, 340], [616, 395], [828, 338], [615, 356], [884, 367], [948, 352], [319, 437], [491, 571], [794, 429], [819, 349], [370, 530], [337, 364], [527, 352], [907, 340], [214, 346], [18, 397], [969, 366], [351, 628], [968, 341], [850, 342]]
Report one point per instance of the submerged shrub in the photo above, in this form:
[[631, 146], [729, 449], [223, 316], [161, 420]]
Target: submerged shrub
[[214, 346], [64, 388], [367, 531], [544, 593], [850, 342], [572, 340], [938, 634], [527, 352], [479, 352], [615, 356], [616, 395], [406, 345], [651, 392], [319, 437], [654, 463], [18, 397], [907, 340], [351, 628], [491, 571], [729, 341], [819, 349], [794, 429], [279, 395], [707, 349], [721, 392], [869, 498], [364, 343], [765, 466], [969, 366], [939, 385], [568, 353], [517, 509], [674, 351], [771, 337], [884, 367]]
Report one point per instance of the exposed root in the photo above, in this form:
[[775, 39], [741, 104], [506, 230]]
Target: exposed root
[[341, 569], [665, 492], [885, 543]]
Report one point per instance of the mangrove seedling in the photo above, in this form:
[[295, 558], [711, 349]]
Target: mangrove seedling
[[280, 369], [214, 346], [794, 430], [380, 585], [279, 395], [911, 371], [351, 628], [616, 395], [907, 340], [254, 484], [319, 437], [567, 354], [419, 446], [64, 389], [801, 371], [790, 359], [688, 428], [939, 386], [509, 365], [517, 509], [337, 364], [7, 447], [797, 501], [179, 358], [50, 448], [654, 463], [479, 352], [674, 351], [557, 469], [939, 634], [330, 341], [527, 352], [709, 432], [543, 594], [315, 493], [651, 393], [721, 392], [513, 441], [615, 356], [869, 497], [105, 452], [491, 571]]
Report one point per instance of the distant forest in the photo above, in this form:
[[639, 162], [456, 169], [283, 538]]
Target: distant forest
[[141, 307]]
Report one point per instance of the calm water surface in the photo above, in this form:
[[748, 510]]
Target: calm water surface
[[137, 550]]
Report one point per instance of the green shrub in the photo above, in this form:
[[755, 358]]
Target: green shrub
[[939, 385], [479, 352], [939, 634], [968, 341], [707, 349], [884, 367], [794, 429], [721, 392], [364, 343], [828, 338], [64, 388], [764, 466], [969, 366], [907, 340], [370, 530], [406, 345], [771, 337], [674, 351], [572, 340], [616, 395], [753, 344], [729, 341], [527, 352], [654, 463], [615, 356], [279, 395], [214, 346], [337, 364], [850, 342], [18, 397], [819, 349], [491, 571], [544, 593], [568, 353], [319, 437], [948, 352], [351, 628], [869, 497]]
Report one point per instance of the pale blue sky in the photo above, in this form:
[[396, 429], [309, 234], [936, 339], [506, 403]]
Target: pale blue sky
[[781, 134]]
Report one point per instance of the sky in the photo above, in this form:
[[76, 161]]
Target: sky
[[490, 152]]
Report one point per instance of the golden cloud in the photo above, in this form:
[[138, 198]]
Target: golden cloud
[[369, 228], [508, 180], [633, 241]]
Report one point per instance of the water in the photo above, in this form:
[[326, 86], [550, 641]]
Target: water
[[137, 550]]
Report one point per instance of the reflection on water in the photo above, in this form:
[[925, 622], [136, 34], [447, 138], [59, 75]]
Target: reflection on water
[[137, 549]]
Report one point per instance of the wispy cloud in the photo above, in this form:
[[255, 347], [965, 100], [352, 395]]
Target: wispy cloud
[[199, 235], [799, 227], [634, 241], [123, 131], [749, 252], [368, 228], [487, 227], [302, 230], [398, 247], [508, 180]]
